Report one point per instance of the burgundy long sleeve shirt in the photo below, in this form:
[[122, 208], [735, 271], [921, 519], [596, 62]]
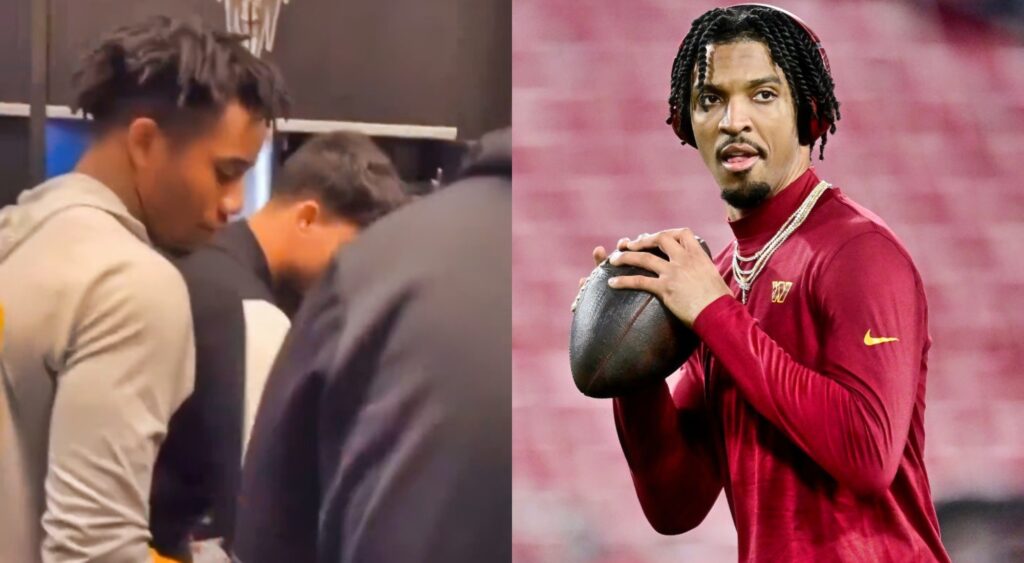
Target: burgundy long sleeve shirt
[[806, 404]]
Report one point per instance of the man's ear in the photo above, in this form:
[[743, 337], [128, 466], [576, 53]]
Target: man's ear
[[143, 137], [308, 213]]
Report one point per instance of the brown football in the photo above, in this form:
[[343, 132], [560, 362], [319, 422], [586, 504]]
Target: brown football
[[623, 339]]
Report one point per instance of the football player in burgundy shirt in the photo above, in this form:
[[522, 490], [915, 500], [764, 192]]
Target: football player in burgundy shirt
[[805, 401]]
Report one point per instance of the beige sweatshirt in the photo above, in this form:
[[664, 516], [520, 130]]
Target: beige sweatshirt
[[96, 353]]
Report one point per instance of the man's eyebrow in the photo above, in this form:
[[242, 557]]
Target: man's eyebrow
[[766, 80], [713, 89], [708, 88]]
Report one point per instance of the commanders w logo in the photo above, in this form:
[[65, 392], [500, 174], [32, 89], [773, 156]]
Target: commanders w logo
[[780, 289]]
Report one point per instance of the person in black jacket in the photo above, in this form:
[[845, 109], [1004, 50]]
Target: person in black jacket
[[384, 433], [243, 287]]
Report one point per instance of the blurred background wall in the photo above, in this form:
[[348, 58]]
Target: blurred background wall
[[419, 77], [932, 139]]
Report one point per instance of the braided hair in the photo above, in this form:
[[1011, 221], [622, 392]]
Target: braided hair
[[177, 73], [791, 48]]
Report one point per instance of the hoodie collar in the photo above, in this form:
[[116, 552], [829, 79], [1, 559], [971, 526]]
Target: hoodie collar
[[39, 204]]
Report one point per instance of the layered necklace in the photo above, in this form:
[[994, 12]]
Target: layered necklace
[[745, 277]]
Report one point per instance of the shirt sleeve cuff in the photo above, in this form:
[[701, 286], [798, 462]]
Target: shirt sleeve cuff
[[722, 321]]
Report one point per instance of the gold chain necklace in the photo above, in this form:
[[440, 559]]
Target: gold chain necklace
[[745, 278]]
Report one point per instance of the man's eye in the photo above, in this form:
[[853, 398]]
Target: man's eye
[[224, 177], [708, 99], [765, 96]]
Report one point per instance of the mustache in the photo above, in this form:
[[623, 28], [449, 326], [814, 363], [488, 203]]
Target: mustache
[[740, 140]]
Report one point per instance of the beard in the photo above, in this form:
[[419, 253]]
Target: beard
[[747, 195]]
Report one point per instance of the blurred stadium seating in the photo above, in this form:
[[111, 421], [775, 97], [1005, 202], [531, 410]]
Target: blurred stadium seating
[[932, 139]]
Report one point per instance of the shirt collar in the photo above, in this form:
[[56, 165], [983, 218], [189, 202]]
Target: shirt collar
[[759, 225]]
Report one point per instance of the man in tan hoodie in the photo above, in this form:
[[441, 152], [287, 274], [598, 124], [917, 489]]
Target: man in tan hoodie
[[96, 343]]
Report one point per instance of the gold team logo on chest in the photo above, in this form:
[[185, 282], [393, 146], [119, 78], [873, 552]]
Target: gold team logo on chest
[[780, 289]]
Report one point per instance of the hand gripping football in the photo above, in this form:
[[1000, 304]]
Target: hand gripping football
[[623, 339]]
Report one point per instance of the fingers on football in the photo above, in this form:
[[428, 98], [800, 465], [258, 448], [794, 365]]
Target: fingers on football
[[644, 260], [642, 283], [667, 241], [686, 237]]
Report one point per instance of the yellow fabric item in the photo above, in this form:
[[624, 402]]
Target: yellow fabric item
[[157, 558]]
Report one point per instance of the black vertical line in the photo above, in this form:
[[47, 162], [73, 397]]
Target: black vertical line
[[40, 25]]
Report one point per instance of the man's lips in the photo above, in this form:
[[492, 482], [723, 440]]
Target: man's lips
[[740, 163], [738, 157]]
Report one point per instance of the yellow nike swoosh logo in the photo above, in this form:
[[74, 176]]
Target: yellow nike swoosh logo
[[873, 340]]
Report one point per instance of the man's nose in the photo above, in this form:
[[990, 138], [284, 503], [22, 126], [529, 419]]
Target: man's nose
[[234, 198], [736, 119]]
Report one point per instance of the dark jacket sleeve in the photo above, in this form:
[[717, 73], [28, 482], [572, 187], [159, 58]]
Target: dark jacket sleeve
[[279, 500], [385, 429], [199, 462]]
